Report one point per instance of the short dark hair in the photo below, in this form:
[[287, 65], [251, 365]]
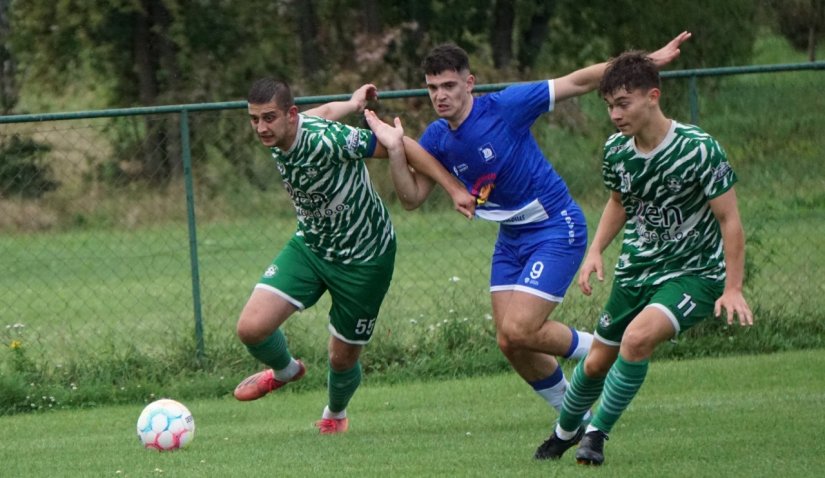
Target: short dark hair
[[269, 89], [632, 70], [445, 57]]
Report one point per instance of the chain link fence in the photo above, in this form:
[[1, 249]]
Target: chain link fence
[[146, 229]]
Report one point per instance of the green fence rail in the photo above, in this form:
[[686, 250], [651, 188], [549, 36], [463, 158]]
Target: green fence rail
[[93, 207]]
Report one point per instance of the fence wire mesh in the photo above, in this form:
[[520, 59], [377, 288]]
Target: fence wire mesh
[[96, 249]]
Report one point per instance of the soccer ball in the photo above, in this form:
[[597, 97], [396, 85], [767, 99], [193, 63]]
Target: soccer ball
[[165, 425]]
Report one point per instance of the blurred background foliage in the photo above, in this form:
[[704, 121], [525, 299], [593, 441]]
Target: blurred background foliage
[[68, 55], [126, 53]]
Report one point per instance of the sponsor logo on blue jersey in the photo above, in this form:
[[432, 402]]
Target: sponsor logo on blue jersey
[[458, 169], [487, 152]]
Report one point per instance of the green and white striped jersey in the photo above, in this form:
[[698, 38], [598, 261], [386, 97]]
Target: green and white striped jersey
[[670, 230], [339, 213]]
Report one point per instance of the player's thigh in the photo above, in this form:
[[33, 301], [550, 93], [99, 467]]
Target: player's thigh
[[520, 312], [648, 329], [686, 300], [263, 313], [294, 275], [623, 305], [357, 291]]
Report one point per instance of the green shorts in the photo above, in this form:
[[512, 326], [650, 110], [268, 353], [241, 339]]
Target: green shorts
[[686, 300], [356, 289]]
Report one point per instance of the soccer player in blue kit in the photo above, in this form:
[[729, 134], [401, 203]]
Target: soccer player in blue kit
[[486, 143]]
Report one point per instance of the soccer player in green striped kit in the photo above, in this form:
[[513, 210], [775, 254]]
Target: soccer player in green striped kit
[[682, 255], [345, 242]]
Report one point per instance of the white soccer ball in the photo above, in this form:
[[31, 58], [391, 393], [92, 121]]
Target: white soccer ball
[[165, 425]]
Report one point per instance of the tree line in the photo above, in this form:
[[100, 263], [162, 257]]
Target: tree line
[[154, 52]]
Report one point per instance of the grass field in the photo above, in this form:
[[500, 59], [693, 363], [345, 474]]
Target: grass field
[[106, 316], [746, 416]]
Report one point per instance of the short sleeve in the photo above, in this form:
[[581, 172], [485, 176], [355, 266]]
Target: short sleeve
[[521, 104], [610, 178], [715, 172], [350, 142], [430, 140]]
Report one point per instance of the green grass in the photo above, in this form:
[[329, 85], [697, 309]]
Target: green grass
[[107, 315], [743, 416]]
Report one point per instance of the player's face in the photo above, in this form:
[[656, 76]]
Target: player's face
[[451, 93], [273, 126], [631, 111]]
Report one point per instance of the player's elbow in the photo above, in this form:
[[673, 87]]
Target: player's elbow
[[408, 203], [409, 200]]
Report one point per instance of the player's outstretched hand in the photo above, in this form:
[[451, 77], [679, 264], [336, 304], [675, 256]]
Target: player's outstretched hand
[[391, 137], [669, 52], [592, 263], [733, 303], [362, 95]]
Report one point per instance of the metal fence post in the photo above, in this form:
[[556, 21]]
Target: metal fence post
[[694, 100], [193, 236]]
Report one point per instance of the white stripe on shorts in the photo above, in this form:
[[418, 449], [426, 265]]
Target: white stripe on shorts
[[521, 288], [282, 294]]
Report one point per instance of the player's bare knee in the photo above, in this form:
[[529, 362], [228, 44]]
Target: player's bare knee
[[637, 346], [504, 344], [595, 367], [343, 356], [341, 362], [249, 337], [248, 333], [512, 338]]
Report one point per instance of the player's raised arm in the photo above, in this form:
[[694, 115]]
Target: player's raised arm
[[336, 110], [671, 51], [587, 79]]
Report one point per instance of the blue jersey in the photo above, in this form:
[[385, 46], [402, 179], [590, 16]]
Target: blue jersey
[[495, 155]]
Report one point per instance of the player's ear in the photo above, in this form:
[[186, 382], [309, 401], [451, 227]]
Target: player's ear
[[654, 94], [292, 113], [471, 82]]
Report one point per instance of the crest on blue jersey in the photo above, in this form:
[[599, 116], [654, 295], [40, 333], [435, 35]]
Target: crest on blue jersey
[[487, 152]]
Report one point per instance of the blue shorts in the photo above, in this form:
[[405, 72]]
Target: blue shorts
[[542, 262]]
